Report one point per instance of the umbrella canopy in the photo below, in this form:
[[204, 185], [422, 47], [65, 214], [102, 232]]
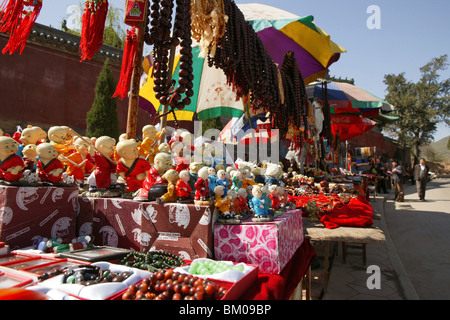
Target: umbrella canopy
[[262, 132], [281, 31], [347, 98], [212, 96], [350, 126]]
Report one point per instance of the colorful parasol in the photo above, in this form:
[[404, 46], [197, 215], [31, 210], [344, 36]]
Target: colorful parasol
[[212, 96], [350, 126], [282, 31], [349, 99]]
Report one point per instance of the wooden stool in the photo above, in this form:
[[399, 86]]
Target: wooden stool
[[359, 246]]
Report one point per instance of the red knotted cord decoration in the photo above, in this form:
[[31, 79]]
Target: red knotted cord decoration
[[126, 72], [18, 18], [93, 27]]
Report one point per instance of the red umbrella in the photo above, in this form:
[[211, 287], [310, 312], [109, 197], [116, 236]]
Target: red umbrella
[[350, 126]]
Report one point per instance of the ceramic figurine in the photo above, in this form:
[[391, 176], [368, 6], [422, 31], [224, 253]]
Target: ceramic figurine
[[80, 162], [235, 205], [61, 138], [116, 156], [131, 168], [202, 188], [283, 197], [224, 205], [187, 139], [212, 179], [243, 202], [49, 167], [183, 189], [154, 185], [150, 141], [11, 165], [273, 195], [247, 178], [164, 147], [193, 172], [29, 157], [172, 177], [182, 163], [266, 196], [259, 206], [222, 180], [272, 173], [236, 180], [31, 135], [102, 181]]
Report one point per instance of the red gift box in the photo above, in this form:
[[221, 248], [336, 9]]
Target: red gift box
[[30, 212]]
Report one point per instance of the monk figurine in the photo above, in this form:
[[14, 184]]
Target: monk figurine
[[222, 180], [11, 165], [131, 168], [31, 135], [259, 206], [183, 189], [154, 185], [80, 162], [223, 203], [61, 138], [202, 188], [49, 168], [103, 181], [172, 177], [150, 141]]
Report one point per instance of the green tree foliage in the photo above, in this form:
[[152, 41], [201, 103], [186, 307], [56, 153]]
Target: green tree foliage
[[421, 106], [102, 119]]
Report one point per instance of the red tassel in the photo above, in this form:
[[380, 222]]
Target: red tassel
[[93, 27], [19, 23], [129, 54]]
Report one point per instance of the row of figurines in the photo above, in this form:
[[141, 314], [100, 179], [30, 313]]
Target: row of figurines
[[144, 169]]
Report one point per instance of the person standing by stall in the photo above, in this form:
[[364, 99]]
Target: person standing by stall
[[397, 180], [381, 176], [421, 176]]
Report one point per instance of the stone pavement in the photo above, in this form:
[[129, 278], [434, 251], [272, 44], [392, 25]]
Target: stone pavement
[[348, 281]]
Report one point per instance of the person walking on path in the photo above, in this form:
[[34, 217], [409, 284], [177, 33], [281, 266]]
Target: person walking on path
[[397, 180], [421, 176]]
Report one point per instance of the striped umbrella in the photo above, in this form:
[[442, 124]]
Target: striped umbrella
[[347, 98], [212, 96], [281, 31]]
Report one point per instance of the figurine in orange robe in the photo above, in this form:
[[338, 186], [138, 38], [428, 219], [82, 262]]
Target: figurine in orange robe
[[80, 162], [61, 138]]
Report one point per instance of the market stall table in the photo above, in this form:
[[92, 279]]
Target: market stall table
[[316, 231]]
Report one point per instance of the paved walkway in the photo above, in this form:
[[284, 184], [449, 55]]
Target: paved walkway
[[414, 260]]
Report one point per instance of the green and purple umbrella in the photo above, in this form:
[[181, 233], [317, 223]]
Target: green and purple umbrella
[[281, 31]]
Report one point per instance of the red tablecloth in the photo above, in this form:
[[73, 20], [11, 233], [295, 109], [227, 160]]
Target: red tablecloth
[[281, 286]]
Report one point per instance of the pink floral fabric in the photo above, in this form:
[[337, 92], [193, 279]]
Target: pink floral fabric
[[269, 245]]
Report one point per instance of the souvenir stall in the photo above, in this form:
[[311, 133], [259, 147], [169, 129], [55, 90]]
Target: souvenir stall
[[166, 218]]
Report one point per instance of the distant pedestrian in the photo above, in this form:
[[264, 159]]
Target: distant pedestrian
[[397, 180], [421, 176], [381, 176]]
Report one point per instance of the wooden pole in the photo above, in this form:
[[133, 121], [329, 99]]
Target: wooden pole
[[134, 90], [136, 79]]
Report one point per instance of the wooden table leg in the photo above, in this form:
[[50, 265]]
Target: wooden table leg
[[325, 267], [308, 283]]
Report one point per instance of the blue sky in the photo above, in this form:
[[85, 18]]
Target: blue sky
[[412, 33]]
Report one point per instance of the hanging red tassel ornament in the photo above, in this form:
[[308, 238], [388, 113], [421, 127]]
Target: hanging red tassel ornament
[[18, 20], [126, 72], [93, 27]]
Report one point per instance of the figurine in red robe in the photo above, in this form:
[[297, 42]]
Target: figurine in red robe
[[49, 167], [130, 167], [202, 186], [183, 189], [103, 175], [11, 165], [163, 162]]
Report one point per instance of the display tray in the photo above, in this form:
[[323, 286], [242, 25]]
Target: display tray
[[103, 253], [10, 278]]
